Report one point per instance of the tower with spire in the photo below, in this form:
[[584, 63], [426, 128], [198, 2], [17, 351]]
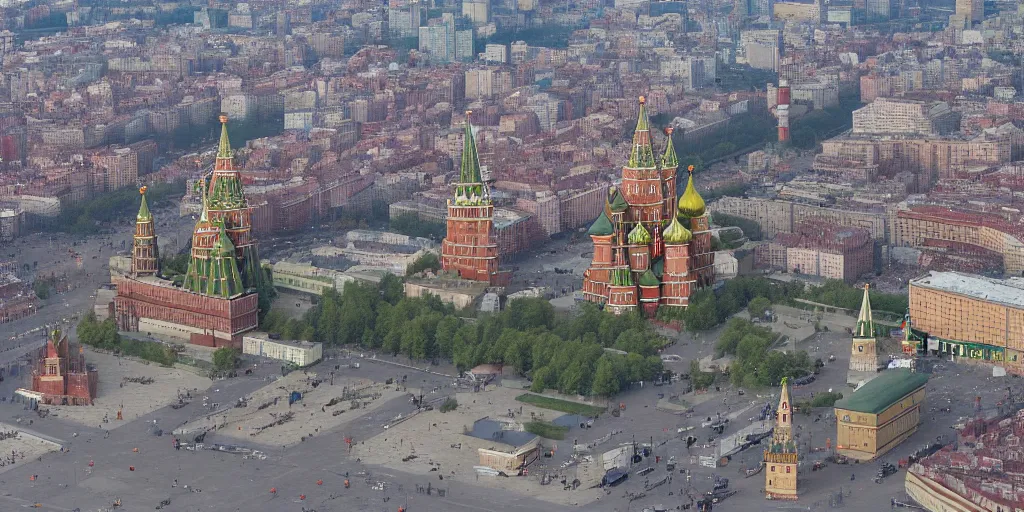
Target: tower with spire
[[226, 206], [469, 248], [650, 249], [145, 253], [780, 458], [864, 355]]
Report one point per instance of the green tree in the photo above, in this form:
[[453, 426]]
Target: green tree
[[427, 262], [606, 379], [758, 307], [225, 359], [391, 288]]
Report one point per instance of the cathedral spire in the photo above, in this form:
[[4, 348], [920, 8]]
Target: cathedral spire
[[669, 160], [865, 325], [469, 171], [470, 189], [145, 254], [224, 148], [783, 433], [642, 154]]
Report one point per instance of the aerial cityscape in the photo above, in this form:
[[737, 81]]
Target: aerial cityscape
[[512, 255]]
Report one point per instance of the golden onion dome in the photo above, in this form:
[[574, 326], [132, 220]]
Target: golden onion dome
[[676, 233], [639, 235], [691, 204]]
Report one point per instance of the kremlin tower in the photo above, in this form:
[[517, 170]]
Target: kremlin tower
[[145, 253], [781, 457], [470, 249], [219, 297], [649, 248]]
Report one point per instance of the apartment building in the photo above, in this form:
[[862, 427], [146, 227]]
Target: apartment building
[[888, 116]]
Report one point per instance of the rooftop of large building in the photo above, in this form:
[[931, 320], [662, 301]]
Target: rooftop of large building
[[1009, 292], [882, 391]]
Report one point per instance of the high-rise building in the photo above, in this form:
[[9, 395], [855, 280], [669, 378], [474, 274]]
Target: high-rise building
[[469, 248], [972, 11], [649, 249], [780, 459]]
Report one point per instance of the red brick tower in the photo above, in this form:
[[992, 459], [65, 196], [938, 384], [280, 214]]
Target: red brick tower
[[469, 249], [691, 206], [145, 255], [642, 186]]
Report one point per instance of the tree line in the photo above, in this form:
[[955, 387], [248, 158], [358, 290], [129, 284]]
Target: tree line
[[104, 335], [710, 308], [560, 352]]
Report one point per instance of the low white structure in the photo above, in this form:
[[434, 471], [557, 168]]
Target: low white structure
[[302, 353]]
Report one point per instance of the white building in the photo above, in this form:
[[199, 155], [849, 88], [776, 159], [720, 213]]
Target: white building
[[301, 353], [496, 54]]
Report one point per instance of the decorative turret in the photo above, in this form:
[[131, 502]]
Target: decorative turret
[[669, 160], [691, 204], [642, 154], [145, 252], [676, 233], [470, 190], [783, 433]]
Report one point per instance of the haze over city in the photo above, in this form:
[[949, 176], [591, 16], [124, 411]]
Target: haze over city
[[512, 255]]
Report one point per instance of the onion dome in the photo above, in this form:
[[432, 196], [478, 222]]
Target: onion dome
[[639, 235], [691, 204], [676, 233], [649, 279], [601, 227], [616, 202]]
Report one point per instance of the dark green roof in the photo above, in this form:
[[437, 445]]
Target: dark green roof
[[658, 266], [618, 203], [882, 391], [601, 227], [649, 279]]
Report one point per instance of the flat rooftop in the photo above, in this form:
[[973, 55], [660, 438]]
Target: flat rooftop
[[1004, 291]]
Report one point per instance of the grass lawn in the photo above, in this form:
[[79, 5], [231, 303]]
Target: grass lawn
[[560, 405], [545, 429]]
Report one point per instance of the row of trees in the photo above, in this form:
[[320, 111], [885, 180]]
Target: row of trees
[[710, 308], [558, 352], [103, 335]]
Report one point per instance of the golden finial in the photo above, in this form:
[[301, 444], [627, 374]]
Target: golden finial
[[142, 190], [867, 285], [669, 130], [643, 100], [689, 168], [469, 113], [223, 119]]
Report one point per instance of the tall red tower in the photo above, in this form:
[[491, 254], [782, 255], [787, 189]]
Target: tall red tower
[[469, 249]]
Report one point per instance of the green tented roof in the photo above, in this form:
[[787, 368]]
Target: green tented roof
[[144, 214], [882, 391], [224, 147], [601, 227], [670, 160], [617, 202], [648, 279]]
